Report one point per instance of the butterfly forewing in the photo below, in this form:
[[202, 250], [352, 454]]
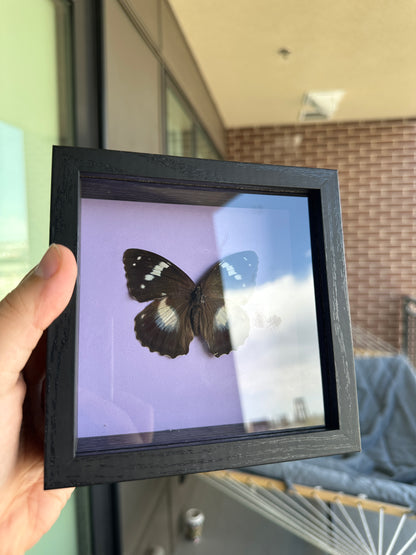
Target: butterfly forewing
[[239, 271], [151, 276]]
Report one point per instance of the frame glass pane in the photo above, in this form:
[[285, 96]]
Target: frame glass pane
[[256, 364]]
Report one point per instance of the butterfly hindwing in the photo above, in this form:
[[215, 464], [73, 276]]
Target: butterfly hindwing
[[222, 326], [165, 328]]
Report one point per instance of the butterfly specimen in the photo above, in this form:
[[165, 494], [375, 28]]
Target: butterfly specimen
[[181, 309]]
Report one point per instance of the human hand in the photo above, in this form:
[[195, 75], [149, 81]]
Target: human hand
[[27, 511]]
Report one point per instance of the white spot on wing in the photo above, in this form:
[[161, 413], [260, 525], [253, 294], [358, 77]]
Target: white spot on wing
[[149, 277], [228, 268], [134, 264], [220, 318], [166, 317], [139, 258], [158, 269], [142, 286]]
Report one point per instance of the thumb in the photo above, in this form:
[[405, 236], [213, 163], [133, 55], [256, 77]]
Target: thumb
[[25, 313]]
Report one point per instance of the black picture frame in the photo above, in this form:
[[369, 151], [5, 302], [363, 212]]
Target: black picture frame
[[84, 179]]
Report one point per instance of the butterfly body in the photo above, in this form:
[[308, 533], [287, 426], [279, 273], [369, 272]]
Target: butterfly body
[[181, 309], [197, 307]]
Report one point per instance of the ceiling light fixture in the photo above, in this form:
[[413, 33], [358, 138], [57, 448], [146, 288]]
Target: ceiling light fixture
[[320, 105], [284, 53]]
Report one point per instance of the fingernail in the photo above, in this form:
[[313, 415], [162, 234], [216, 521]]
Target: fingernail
[[50, 262]]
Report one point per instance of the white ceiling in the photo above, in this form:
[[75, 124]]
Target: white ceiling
[[366, 48]]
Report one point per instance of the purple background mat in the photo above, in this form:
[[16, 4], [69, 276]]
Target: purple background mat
[[123, 388]]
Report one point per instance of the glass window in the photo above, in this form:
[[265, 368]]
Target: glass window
[[34, 65], [184, 134], [204, 146], [180, 136], [30, 123]]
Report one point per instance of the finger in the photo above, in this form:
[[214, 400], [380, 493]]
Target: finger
[[31, 307]]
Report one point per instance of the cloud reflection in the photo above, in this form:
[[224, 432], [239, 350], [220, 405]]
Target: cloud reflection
[[279, 362]]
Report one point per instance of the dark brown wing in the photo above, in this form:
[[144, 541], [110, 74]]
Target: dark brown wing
[[151, 276], [164, 325], [225, 325]]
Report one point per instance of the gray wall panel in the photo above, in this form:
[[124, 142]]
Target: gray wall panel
[[182, 66], [132, 83], [143, 39]]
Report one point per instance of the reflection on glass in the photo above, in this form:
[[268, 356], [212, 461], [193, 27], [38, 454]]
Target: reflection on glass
[[278, 367], [14, 247]]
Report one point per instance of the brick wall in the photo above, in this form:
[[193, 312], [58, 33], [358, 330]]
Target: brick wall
[[377, 174]]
